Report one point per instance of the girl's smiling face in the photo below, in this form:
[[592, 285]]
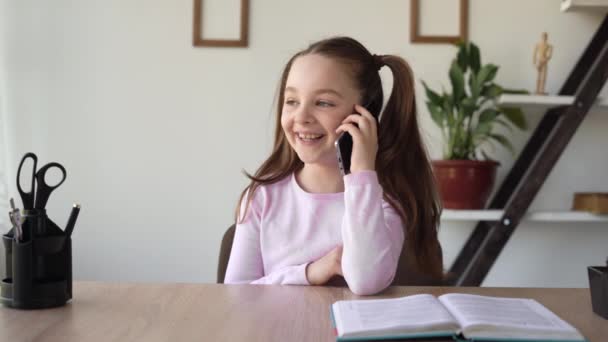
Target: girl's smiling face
[[318, 95]]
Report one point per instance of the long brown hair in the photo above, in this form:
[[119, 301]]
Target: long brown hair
[[402, 163]]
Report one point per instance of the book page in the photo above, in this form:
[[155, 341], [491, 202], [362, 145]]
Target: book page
[[482, 316], [418, 313]]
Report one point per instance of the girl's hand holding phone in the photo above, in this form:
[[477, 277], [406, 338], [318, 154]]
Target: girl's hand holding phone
[[319, 272], [363, 128]]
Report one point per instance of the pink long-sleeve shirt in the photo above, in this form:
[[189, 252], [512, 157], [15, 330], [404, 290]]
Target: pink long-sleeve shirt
[[286, 228]]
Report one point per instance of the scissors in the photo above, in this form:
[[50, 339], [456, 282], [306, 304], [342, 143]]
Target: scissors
[[38, 196]]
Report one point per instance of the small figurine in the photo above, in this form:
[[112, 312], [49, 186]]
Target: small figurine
[[542, 54]]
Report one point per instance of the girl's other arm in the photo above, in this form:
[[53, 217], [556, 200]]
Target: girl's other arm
[[246, 266], [372, 234]]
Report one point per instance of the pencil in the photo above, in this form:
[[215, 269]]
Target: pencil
[[69, 227]]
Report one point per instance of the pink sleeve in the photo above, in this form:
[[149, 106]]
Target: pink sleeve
[[245, 265], [372, 233]]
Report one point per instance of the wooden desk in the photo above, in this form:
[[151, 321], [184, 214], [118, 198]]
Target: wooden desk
[[209, 312]]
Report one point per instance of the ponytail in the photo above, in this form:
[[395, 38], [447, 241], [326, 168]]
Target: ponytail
[[405, 171]]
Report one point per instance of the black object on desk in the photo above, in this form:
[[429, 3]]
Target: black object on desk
[[40, 190], [39, 262], [598, 285], [69, 227]]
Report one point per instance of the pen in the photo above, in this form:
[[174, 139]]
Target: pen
[[17, 221], [72, 220]]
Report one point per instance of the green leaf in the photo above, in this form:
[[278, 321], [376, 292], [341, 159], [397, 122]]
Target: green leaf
[[457, 79], [461, 142], [448, 109], [437, 114], [480, 139], [515, 116], [492, 74], [488, 115], [469, 106], [492, 91], [460, 117], [486, 74], [462, 56], [504, 124], [501, 139], [474, 86], [483, 128], [474, 58], [432, 96]]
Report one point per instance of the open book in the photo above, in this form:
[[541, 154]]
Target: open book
[[462, 316]]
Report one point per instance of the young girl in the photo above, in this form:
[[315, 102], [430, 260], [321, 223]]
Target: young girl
[[300, 221]]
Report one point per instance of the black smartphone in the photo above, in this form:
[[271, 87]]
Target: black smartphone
[[344, 150]]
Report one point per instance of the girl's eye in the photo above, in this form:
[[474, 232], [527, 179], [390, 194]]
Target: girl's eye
[[325, 104], [290, 102]]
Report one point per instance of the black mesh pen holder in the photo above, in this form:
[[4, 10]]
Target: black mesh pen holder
[[598, 286], [38, 267]]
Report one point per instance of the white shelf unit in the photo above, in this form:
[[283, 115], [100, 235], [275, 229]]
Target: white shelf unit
[[580, 5], [537, 216], [546, 101], [540, 102]]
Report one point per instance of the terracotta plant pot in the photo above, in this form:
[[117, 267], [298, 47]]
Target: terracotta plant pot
[[464, 184]]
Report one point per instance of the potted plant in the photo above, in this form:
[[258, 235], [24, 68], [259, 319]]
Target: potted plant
[[467, 117]]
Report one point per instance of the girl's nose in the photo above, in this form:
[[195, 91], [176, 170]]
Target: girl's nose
[[303, 114]]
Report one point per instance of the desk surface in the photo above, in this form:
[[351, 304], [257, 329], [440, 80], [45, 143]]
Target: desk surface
[[209, 312]]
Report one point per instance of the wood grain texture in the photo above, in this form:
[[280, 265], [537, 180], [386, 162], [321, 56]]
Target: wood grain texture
[[596, 202], [212, 312]]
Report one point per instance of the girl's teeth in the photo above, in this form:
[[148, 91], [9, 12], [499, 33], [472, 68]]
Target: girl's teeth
[[309, 136]]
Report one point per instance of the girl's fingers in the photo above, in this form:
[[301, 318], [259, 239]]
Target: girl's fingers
[[356, 119], [350, 128], [362, 110], [366, 114], [361, 125], [362, 122]]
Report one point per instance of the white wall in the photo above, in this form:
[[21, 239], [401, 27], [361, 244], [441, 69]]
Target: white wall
[[154, 132], [4, 191]]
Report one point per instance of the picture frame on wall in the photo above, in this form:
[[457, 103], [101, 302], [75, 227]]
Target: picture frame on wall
[[415, 21], [198, 38]]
